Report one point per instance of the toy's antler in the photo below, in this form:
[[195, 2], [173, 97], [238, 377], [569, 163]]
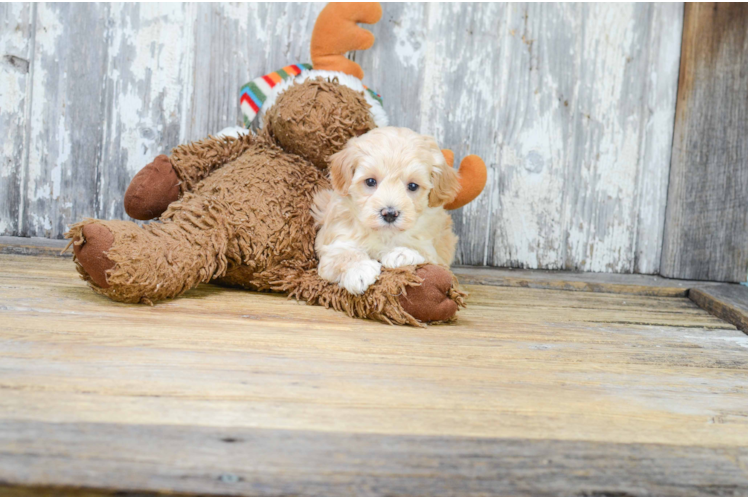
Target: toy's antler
[[336, 33], [473, 176]]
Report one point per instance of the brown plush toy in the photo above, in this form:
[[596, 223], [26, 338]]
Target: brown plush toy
[[236, 210]]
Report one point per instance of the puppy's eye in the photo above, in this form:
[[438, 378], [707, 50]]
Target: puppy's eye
[[413, 186], [371, 182]]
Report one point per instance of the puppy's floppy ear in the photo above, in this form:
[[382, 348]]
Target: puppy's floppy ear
[[342, 166], [444, 178]]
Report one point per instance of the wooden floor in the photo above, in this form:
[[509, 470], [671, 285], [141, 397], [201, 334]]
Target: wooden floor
[[531, 391]]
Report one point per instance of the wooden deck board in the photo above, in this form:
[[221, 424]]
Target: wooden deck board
[[599, 392], [630, 284], [729, 302]]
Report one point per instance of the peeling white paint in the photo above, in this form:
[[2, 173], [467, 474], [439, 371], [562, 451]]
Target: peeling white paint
[[431, 92], [15, 56], [152, 45], [409, 38], [570, 105], [48, 32], [56, 181]]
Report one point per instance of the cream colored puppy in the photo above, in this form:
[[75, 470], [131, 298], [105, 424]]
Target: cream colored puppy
[[386, 208]]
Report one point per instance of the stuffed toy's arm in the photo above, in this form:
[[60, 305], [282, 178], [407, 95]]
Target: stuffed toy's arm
[[195, 161], [166, 179], [401, 296]]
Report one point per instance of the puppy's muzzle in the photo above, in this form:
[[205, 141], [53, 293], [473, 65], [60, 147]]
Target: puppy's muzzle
[[389, 215]]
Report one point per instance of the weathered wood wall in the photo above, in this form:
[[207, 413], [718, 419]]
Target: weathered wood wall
[[571, 106], [706, 234]]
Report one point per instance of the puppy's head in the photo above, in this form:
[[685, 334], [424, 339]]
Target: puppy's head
[[391, 175]]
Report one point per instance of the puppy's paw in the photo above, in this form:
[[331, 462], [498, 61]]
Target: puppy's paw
[[360, 275], [402, 256]]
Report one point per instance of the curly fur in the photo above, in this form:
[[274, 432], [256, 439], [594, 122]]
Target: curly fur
[[321, 129], [245, 220]]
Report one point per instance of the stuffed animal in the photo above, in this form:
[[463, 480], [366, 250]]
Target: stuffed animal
[[236, 210]]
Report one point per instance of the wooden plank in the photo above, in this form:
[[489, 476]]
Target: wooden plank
[[706, 230], [16, 49], [728, 302], [657, 131], [225, 391], [571, 106], [33, 246], [222, 29], [148, 81], [247, 461], [254, 39], [244, 353], [65, 117], [633, 284], [231, 392]]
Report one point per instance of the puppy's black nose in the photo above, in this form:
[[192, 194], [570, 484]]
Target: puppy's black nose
[[389, 214]]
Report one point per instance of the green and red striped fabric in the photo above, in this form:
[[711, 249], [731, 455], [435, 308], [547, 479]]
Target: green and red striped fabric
[[254, 94]]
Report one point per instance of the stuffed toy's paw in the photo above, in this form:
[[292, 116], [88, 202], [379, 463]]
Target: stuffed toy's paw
[[434, 299], [90, 251], [152, 190]]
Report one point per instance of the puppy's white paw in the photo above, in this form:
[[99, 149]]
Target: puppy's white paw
[[402, 256], [362, 274]]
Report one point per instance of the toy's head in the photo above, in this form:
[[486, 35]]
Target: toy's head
[[313, 112], [315, 118]]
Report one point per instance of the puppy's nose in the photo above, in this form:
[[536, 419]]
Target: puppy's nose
[[389, 214]]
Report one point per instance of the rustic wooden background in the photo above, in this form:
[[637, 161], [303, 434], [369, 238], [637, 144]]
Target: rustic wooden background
[[572, 106], [706, 234]]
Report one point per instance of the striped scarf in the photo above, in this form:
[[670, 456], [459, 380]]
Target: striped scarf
[[254, 94]]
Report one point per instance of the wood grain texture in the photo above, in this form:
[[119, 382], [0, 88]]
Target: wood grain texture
[[225, 391], [33, 246], [65, 117], [571, 106], [706, 235], [628, 284], [147, 85], [253, 39], [126, 460], [729, 302], [16, 50]]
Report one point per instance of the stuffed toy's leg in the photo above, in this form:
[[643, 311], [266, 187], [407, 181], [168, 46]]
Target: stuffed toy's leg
[[129, 263], [402, 296], [166, 179]]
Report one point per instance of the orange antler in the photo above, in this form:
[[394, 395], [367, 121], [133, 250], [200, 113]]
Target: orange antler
[[473, 176], [336, 33]]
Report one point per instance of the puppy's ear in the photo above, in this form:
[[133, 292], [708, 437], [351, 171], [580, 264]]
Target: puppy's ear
[[342, 166], [444, 178]]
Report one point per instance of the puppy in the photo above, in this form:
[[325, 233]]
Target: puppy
[[386, 207]]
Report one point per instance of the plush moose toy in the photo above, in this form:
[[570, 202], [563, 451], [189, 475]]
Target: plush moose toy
[[236, 210]]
